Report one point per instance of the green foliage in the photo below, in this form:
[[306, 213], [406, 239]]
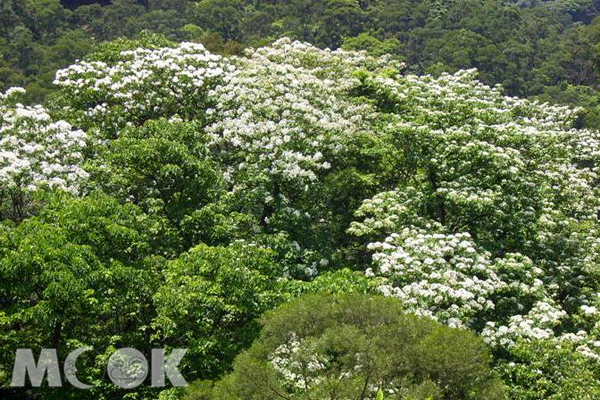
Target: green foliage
[[83, 273], [356, 346], [210, 300], [371, 44], [339, 282], [165, 168], [552, 372]]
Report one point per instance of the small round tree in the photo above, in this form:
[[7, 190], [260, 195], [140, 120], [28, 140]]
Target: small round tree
[[358, 347]]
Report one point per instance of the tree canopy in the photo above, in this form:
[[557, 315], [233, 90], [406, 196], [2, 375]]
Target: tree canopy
[[541, 49], [166, 197]]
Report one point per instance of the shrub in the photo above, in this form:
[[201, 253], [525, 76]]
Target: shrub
[[354, 347]]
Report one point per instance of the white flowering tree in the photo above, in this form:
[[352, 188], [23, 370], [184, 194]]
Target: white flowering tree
[[126, 85], [36, 152], [493, 221], [487, 207]]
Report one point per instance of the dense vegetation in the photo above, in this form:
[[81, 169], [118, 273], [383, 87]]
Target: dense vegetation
[[201, 183], [534, 48], [351, 348], [167, 197]]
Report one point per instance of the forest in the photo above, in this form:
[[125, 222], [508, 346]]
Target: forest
[[316, 200], [546, 50]]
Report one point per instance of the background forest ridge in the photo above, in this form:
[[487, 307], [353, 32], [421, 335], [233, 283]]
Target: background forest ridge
[[534, 48]]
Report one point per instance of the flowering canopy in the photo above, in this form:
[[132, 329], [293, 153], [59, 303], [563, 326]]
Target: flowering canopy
[[494, 220], [475, 209], [491, 217], [36, 151]]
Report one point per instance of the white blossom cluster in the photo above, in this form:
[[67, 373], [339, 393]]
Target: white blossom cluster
[[296, 363], [446, 277], [36, 152], [301, 368], [387, 211], [537, 324], [278, 117], [284, 111], [541, 323], [143, 84]]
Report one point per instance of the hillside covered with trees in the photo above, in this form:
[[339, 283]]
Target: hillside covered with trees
[[546, 49], [310, 221], [169, 197]]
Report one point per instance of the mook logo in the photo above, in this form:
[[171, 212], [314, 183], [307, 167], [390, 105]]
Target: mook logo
[[127, 368]]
